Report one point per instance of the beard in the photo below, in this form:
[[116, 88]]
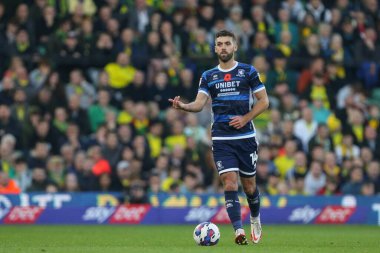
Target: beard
[[225, 57]]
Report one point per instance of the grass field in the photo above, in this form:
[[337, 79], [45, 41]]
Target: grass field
[[157, 239]]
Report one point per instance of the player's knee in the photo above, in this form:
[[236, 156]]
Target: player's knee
[[230, 185], [230, 181], [249, 187]]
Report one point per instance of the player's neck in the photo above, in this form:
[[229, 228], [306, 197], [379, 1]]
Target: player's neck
[[227, 65]]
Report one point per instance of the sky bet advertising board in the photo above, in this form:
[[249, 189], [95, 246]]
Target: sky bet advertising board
[[92, 208]]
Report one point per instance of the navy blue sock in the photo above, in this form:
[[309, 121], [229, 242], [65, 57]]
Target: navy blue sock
[[254, 202], [233, 208]]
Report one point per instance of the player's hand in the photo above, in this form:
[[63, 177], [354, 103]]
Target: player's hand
[[238, 122], [176, 103]]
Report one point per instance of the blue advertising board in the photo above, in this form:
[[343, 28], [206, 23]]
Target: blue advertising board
[[94, 208]]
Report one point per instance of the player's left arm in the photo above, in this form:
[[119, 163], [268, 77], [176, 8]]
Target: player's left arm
[[261, 105]]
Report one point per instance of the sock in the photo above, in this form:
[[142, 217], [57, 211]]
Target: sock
[[254, 203], [233, 208]]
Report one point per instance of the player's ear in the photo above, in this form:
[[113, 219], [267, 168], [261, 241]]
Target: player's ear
[[235, 46]]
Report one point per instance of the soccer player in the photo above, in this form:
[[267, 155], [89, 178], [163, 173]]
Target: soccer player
[[232, 87]]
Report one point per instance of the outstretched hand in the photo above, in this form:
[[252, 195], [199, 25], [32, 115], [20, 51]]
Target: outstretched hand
[[238, 122], [176, 103]]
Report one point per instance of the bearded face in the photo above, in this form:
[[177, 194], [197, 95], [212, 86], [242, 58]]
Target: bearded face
[[224, 56], [225, 48]]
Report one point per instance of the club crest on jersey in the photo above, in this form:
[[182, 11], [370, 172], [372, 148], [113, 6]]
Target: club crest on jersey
[[227, 77], [241, 73], [219, 165], [215, 77]]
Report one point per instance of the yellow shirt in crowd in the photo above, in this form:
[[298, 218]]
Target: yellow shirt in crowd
[[119, 76]]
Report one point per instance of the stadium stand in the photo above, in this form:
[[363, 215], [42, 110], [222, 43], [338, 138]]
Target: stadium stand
[[84, 89]]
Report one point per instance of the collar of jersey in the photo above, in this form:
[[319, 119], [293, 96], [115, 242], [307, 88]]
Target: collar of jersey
[[227, 70]]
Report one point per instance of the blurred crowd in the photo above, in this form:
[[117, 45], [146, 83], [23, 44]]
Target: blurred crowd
[[84, 88]]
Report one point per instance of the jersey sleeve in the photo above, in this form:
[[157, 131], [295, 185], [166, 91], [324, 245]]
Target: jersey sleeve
[[203, 85], [254, 81]]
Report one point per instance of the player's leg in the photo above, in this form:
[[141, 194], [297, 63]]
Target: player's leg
[[247, 164], [253, 199], [227, 164], [230, 184]]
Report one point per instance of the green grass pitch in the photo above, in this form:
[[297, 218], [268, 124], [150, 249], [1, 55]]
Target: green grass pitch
[[157, 239]]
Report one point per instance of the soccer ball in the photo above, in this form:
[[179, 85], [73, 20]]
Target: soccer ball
[[206, 234]]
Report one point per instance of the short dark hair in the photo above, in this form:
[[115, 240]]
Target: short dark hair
[[225, 33]]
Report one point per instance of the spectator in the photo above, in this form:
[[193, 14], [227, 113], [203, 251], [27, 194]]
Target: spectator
[[71, 183], [39, 75], [280, 74], [372, 140], [112, 149], [7, 185], [187, 89], [46, 25], [294, 7], [315, 179], [347, 150], [20, 107], [78, 85], [121, 72], [83, 169], [87, 6], [137, 193], [305, 128], [322, 138], [176, 137], [285, 24], [355, 183], [97, 112], [78, 115], [70, 56], [373, 174], [331, 168], [139, 18], [23, 175], [102, 52], [298, 170], [105, 181], [56, 171], [136, 90], [285, 161], [39, 180], [317, 10], [154, 184], [7, 123], [154, 137], [55, 85], [331, 188], [161, 91]]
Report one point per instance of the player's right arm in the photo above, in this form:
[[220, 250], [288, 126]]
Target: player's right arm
[[199, 102], [195, 106]]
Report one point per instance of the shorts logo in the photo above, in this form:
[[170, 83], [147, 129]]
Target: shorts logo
[[219, 165], [214, 77], [241, 73]]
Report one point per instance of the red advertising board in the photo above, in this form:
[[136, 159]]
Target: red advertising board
[[335, 215], [132, 214], [23, 215]]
